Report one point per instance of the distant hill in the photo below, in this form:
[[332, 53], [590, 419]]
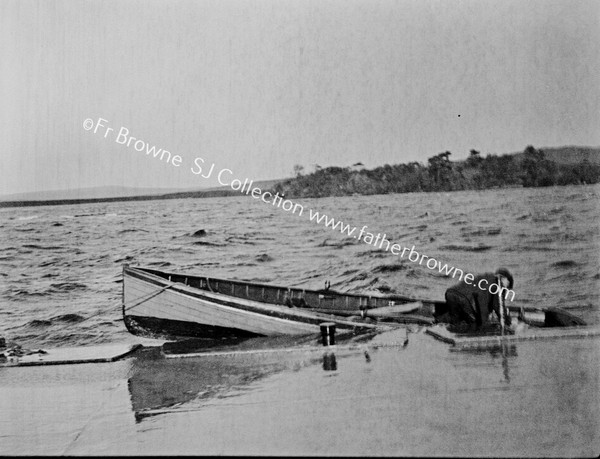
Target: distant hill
[[114, 194], [87, 193], [531, 168], [569, 155]]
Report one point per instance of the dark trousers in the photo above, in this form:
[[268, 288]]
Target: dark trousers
[[461, 309]]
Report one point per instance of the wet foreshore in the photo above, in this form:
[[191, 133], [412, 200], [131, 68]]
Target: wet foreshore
[[388, 396]]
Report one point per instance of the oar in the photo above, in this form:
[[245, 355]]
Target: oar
[[400, 318], [384, 312], [393, 311]]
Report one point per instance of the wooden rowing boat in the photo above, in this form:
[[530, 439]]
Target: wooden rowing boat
[[176, 305]]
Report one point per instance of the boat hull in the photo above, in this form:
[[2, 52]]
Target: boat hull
[[151, 327], [157, 307]]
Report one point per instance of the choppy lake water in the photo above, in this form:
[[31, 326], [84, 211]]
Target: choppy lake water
[[60, 266]]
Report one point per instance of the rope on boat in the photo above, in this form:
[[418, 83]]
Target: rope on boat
[[208, 285], [148, 297], [501, 306]]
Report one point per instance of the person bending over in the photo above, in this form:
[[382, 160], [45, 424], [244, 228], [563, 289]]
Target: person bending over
[[470, 305]]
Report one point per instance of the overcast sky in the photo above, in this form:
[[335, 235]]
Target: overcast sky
[[257, 86]]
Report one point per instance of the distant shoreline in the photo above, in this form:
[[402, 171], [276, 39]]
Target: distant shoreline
[[210, 194], [60, 202]]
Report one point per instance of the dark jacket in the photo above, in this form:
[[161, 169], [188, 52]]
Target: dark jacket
[[480, 300]]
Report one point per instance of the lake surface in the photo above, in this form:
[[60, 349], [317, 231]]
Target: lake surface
[[60, 265], [60, 273]]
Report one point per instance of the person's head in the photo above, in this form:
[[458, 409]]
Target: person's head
[[505, 277]]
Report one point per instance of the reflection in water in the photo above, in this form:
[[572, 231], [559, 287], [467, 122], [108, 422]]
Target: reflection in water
[[506, 351], [158, 384], [329, 362]]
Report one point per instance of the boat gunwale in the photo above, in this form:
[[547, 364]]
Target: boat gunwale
[[335, 293]]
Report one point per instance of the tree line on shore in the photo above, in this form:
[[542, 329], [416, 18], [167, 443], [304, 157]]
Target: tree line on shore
[[531, 169]]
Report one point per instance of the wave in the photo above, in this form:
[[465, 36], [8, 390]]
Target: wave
[[529, 248], [481, 231], [543, 218], [390, 268], [466, 248], [546, 239], [240, 240], [359, 277], [133, 230], [261, 280], [423, 272], [556, 210], [42, 247], [160, 264], [39, 323], [121, 260], [51, 338], [565, 264], [379, 253], [68, 286], [90, 215], [213, 244], [338, 244], [67, 318], [19, 292], [60, 319], [264, 257], [48, 263]]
